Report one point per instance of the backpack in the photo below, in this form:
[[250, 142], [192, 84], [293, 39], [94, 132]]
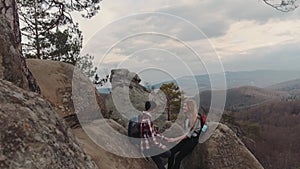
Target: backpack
[[203, 119], [134, 129]]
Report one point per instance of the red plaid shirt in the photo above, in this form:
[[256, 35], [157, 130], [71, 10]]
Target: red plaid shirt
[[150, 136]]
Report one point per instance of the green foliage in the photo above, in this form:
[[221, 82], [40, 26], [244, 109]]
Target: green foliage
[[85, 64], [173, 96], [65, 45], [48, 30]]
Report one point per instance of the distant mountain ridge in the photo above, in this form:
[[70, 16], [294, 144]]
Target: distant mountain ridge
[[258, 78], [286, 86], [243, 97], [292, 88]]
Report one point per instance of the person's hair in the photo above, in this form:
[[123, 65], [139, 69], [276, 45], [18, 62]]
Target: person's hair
[[192, 110], [150, 105], [192, 106]]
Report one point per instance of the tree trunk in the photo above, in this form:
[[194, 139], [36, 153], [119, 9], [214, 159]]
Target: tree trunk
[[9, 11], [37, 40], [13, 67], [168, 110]]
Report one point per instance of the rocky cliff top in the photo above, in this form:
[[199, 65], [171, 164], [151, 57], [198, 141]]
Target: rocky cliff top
[[33, 135]]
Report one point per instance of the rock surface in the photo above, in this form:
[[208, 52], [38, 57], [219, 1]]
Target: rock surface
[[223, 150], [104, 157], [55, 81], [122, 77], [127, 97], [33, 135]]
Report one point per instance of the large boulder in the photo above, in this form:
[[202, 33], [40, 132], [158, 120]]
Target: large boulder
[[55, 80], [33, 135], [127, 97], [222, 150], [121, 77]]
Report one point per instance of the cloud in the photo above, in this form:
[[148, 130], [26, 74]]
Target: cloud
[[238, 30], [113, 10], [248, 35], [210, 23], [278, 57]]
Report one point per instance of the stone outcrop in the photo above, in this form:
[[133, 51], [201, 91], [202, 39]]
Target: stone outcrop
[[123, 77], [223, 150], [33, 135], [12, 64], [55, 81], [127, 97]]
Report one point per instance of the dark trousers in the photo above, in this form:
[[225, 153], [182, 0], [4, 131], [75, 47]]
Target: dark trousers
[[181, 150], [157, 158]]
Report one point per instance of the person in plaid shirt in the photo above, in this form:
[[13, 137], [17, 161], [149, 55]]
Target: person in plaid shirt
[[151, 144]]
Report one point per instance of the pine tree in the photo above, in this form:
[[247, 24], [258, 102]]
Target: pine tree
[[48, 29], [86, 66], [173, 96]]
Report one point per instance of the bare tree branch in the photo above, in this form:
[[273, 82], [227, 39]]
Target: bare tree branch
[[282, 5]]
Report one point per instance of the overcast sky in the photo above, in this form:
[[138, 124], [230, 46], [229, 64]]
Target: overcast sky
[[169, 39]]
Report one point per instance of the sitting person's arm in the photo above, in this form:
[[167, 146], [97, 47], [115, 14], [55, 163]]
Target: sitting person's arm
[[152, 134], [159, 135], [188, 134], [177, 139]]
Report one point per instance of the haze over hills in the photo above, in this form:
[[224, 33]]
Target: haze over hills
[[286, 86], [258, 78], [198, 83], [292, 88], [243, 97]]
